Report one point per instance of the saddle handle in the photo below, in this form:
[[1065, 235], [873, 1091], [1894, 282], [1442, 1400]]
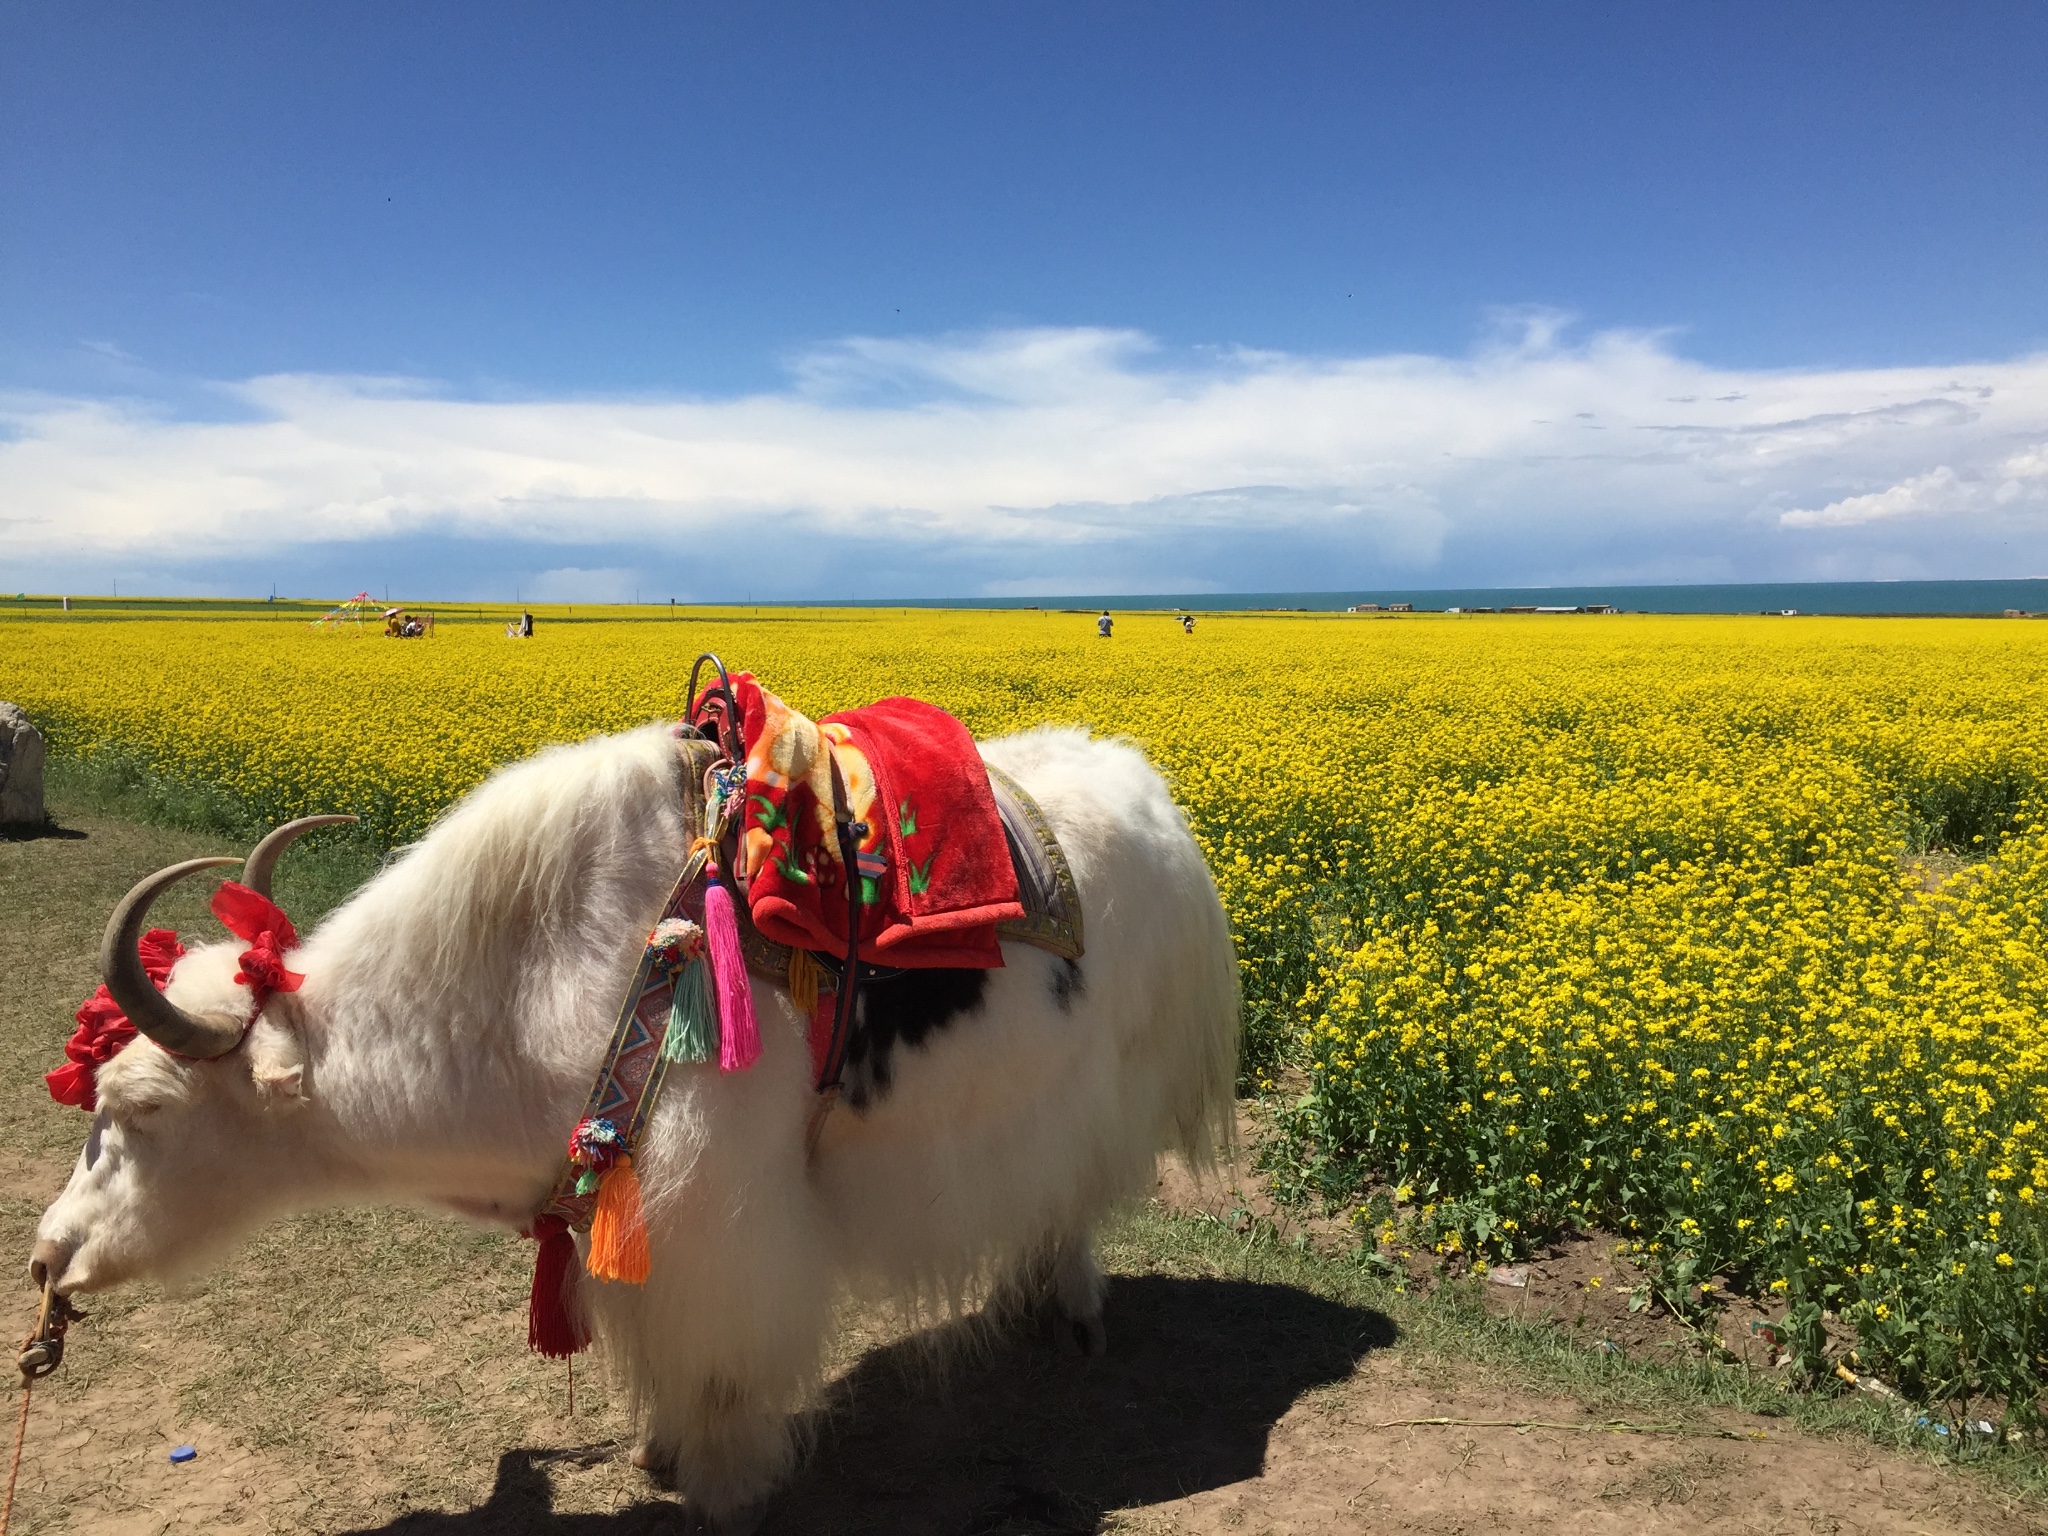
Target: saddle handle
[[719, 705]]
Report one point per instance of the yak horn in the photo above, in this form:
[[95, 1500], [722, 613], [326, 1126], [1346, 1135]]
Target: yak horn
[[263, 858], [170, 1026]]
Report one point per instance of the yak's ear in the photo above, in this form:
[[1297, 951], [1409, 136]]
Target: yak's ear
[[277, 1063], [282, 1083]]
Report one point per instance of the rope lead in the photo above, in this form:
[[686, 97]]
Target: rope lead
[[41, 1353]]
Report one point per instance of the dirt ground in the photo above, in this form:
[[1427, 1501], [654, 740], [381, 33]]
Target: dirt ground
[[366, 1373]]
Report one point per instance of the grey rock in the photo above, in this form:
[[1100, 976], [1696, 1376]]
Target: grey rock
[[21, 769]]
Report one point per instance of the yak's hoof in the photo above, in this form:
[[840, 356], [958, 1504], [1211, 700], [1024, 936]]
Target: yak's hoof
[[659, 1467], [1083, 1337], [740, 1522]]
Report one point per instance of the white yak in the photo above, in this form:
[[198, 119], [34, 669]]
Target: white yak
[[455, 1011]]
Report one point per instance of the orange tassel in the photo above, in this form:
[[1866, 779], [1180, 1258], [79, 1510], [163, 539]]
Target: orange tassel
[[804, 974], [618, 1232]]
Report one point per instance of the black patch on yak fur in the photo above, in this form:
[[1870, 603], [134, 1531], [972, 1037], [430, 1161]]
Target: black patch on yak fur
[[1067, 984], [906, 1008]]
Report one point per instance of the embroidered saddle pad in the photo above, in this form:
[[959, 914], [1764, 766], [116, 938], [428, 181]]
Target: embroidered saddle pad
[[880, 818], [1045, 888]]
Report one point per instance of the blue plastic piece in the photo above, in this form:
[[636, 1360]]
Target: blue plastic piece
[[185, 1453]]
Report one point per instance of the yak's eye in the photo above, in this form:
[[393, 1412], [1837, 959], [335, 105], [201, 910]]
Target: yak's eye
[[129, 1114]]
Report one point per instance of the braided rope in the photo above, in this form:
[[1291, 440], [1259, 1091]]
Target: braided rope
[[14, 1471]]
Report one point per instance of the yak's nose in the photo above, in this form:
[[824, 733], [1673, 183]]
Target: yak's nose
[[48, 1257]]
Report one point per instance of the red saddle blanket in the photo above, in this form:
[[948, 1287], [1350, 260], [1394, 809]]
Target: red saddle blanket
[[934, 869]]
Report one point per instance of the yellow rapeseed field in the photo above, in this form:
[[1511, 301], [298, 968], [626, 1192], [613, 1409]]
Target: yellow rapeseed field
[[1564, 920]]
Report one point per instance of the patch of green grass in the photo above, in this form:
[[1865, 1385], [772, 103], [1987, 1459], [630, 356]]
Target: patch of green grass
[[322, 870]]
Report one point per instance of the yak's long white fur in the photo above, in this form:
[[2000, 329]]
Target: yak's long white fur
[[455, 1011]]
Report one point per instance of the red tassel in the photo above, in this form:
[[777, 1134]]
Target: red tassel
[[553, 1325]]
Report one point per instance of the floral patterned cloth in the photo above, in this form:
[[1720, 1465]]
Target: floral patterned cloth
[[934, 869]]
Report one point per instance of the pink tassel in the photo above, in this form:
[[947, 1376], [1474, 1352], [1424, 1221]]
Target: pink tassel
[[739, 1037]]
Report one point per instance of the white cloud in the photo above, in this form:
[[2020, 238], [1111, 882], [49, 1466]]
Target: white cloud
[[1087, 458], [1941, 492], [1935, 491]]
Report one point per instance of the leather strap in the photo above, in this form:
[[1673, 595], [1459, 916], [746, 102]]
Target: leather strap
[[849, 833]]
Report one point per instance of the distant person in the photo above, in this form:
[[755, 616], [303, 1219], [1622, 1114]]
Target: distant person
[[1102, 624], [1187, 623], [525, 625]]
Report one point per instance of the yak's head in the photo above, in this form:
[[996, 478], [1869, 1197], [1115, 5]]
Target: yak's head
[[197, 1137]]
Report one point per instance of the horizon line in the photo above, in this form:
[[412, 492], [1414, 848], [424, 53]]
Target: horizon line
[[1329, 599]]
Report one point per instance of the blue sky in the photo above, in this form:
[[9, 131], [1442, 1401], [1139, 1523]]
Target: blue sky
[[811, 301]]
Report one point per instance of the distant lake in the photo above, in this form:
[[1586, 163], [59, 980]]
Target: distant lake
[[1859, 597]]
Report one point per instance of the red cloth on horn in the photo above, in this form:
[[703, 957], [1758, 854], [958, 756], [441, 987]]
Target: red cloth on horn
[[103, 1028], [934, 867], [252, 916]]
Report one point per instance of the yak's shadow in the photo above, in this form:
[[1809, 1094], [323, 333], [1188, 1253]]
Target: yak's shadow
[[1013, 1438]]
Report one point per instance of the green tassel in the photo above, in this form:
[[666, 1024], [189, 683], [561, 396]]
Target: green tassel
[[587, 1182], [692, 1016]]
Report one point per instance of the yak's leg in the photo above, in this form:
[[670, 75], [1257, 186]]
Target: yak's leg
[[1078, 1289], [1057, 1282], [717, 1351], [724, 1452]]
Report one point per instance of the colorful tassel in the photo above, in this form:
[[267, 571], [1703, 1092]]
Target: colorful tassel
[[593, 1145], [804, 976], [692, 1017], [820, 1033], [554, 1327], [618, 1232], [739, 1036]]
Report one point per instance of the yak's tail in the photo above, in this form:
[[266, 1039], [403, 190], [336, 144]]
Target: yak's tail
[[1206, 1118]]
